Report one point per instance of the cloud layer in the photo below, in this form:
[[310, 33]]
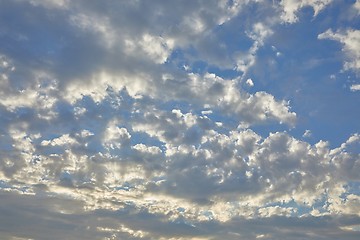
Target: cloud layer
[[145, 120]]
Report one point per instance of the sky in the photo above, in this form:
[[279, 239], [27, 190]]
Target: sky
[[180, 120]]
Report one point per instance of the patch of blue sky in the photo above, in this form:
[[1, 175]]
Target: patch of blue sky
[[356, 228], [126, 186], [231, 36], [226, 74], [298, 59], [186, 59], [177, 58], [307, 71], [51, 150], [199, 67], [211, 53], [208, 214], [118, 99], [6, 142], [352, 187], [146, 139], [184, 106], [4, 185], [300, 208], [292, 65], [37, 41], [270, 127], [227, 121]]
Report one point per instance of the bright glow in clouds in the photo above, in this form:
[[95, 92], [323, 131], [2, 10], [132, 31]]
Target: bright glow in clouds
[[163, 120]]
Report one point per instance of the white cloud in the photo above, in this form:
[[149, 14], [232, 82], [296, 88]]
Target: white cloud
[[225, 95], [349, 205], [258, 33], [146, 149], [291, 7], [60, 141], [158, 49], [249, 82], [279, 211], [355, 87], [39, 95], [105, 135], [307, 133], [49, 3], [350, 40], [239, 172], [116, 137], [98, 25]]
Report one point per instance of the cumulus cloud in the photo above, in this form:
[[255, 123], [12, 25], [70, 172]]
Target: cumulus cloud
[[105, 135]]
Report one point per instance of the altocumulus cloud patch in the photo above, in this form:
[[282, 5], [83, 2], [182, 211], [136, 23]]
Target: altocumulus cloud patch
[[179, 120]]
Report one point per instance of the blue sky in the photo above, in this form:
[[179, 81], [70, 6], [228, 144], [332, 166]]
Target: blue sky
[[181, 120]]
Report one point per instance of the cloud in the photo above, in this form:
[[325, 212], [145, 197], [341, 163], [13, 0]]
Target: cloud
[[105, 135], [259, 33], [60, 141], [307, 133], [357, 6], [49, 3], [249, 82], [355, 87], [291, 7], [349, 39], [65, 218], [156, 48]]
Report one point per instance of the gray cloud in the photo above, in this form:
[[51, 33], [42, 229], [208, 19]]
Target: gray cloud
[[107, 134]]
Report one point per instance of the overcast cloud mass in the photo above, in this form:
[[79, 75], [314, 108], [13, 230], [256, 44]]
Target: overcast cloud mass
[[181, 120]]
